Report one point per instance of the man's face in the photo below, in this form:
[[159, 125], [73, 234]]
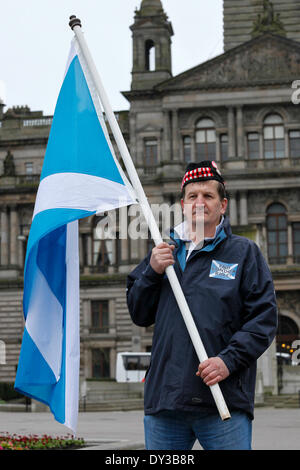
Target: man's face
[[203, 195]]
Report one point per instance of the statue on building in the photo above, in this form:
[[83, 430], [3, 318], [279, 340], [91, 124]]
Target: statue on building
[[9, 165], [268, 21]]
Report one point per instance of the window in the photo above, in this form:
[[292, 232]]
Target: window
[[273, 137], [150, 55], [205, 140], [253, 145], [29, 168], [102, 249], [150, 155], [277, 234], [296, 241], [100, 363], [139, 362], [224, 146], [294, 139], [187, 149], [149, 242], [99, 316]]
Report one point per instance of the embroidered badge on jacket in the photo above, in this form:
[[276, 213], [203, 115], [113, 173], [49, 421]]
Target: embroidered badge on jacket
[[222, 270]]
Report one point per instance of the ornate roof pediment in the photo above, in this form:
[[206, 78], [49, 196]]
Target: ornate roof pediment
[[266, 59]]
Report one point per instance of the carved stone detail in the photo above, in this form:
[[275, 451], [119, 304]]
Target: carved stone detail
[[265, 59]]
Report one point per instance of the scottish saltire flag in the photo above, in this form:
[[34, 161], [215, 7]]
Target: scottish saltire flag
[[80, 177]]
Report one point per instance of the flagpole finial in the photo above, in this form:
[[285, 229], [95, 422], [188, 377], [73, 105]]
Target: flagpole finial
[[74, 21]]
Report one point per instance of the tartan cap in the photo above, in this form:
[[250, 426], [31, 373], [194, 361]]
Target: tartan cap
[[202, 171]]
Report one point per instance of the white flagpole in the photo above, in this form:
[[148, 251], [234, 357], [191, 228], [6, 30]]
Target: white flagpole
[[75, 25]]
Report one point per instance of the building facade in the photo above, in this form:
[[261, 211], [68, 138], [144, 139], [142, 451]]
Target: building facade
[[236, 109]]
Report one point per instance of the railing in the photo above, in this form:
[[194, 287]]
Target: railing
[[150, 170], [25, 179], [109, 329], [19, 180], [46, 121], [277, 260], [260, 163], [99, 329]]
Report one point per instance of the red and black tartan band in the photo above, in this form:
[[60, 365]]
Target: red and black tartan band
[[201, 171]]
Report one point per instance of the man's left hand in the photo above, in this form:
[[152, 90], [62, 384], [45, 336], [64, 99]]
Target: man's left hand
[[212, 370]]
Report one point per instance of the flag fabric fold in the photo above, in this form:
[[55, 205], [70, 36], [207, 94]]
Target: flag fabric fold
[[81, 176]]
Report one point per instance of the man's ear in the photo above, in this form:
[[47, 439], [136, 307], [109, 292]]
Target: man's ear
[[224, 205]]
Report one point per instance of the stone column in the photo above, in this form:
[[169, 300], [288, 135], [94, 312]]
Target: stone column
[[193, 148], [175, 136], [124, 250], [265, 239], [13, 235], [233, 209], [218, 149], [243, 208], [80, 242], [136, 338], [123, 237], [21, 252], [89, 247], [113, 253], [4, 237], [125, 240], [286, 144], [290, 243], [261, 146], [133, 142], [133, 241], [167, 138], [240, 132], [231, 133], [86, 316]]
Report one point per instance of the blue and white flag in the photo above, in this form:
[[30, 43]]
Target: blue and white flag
[[80, 177]]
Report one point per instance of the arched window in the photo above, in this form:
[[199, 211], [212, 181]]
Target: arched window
[[150, 55], [205, 140], [277, 234], [274, 137]]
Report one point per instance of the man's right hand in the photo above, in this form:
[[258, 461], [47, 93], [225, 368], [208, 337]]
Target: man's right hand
[[162, 257]]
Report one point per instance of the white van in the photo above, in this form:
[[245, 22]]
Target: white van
[[132, 366]]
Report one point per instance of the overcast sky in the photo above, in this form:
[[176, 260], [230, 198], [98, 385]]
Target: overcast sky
[[35, 40]]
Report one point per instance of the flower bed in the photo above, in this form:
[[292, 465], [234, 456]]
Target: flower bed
[[35, 442]]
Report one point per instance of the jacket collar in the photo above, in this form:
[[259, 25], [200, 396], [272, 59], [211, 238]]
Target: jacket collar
[[178, 235]]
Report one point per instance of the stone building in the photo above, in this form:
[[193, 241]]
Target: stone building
[[237, 109]]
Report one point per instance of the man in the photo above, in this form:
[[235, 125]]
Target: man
[[229, 289]]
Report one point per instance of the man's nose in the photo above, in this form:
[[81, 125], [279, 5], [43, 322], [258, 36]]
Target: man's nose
[[199, 200]]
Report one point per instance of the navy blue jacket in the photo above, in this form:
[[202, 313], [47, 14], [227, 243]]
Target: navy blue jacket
[[230, 292]]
